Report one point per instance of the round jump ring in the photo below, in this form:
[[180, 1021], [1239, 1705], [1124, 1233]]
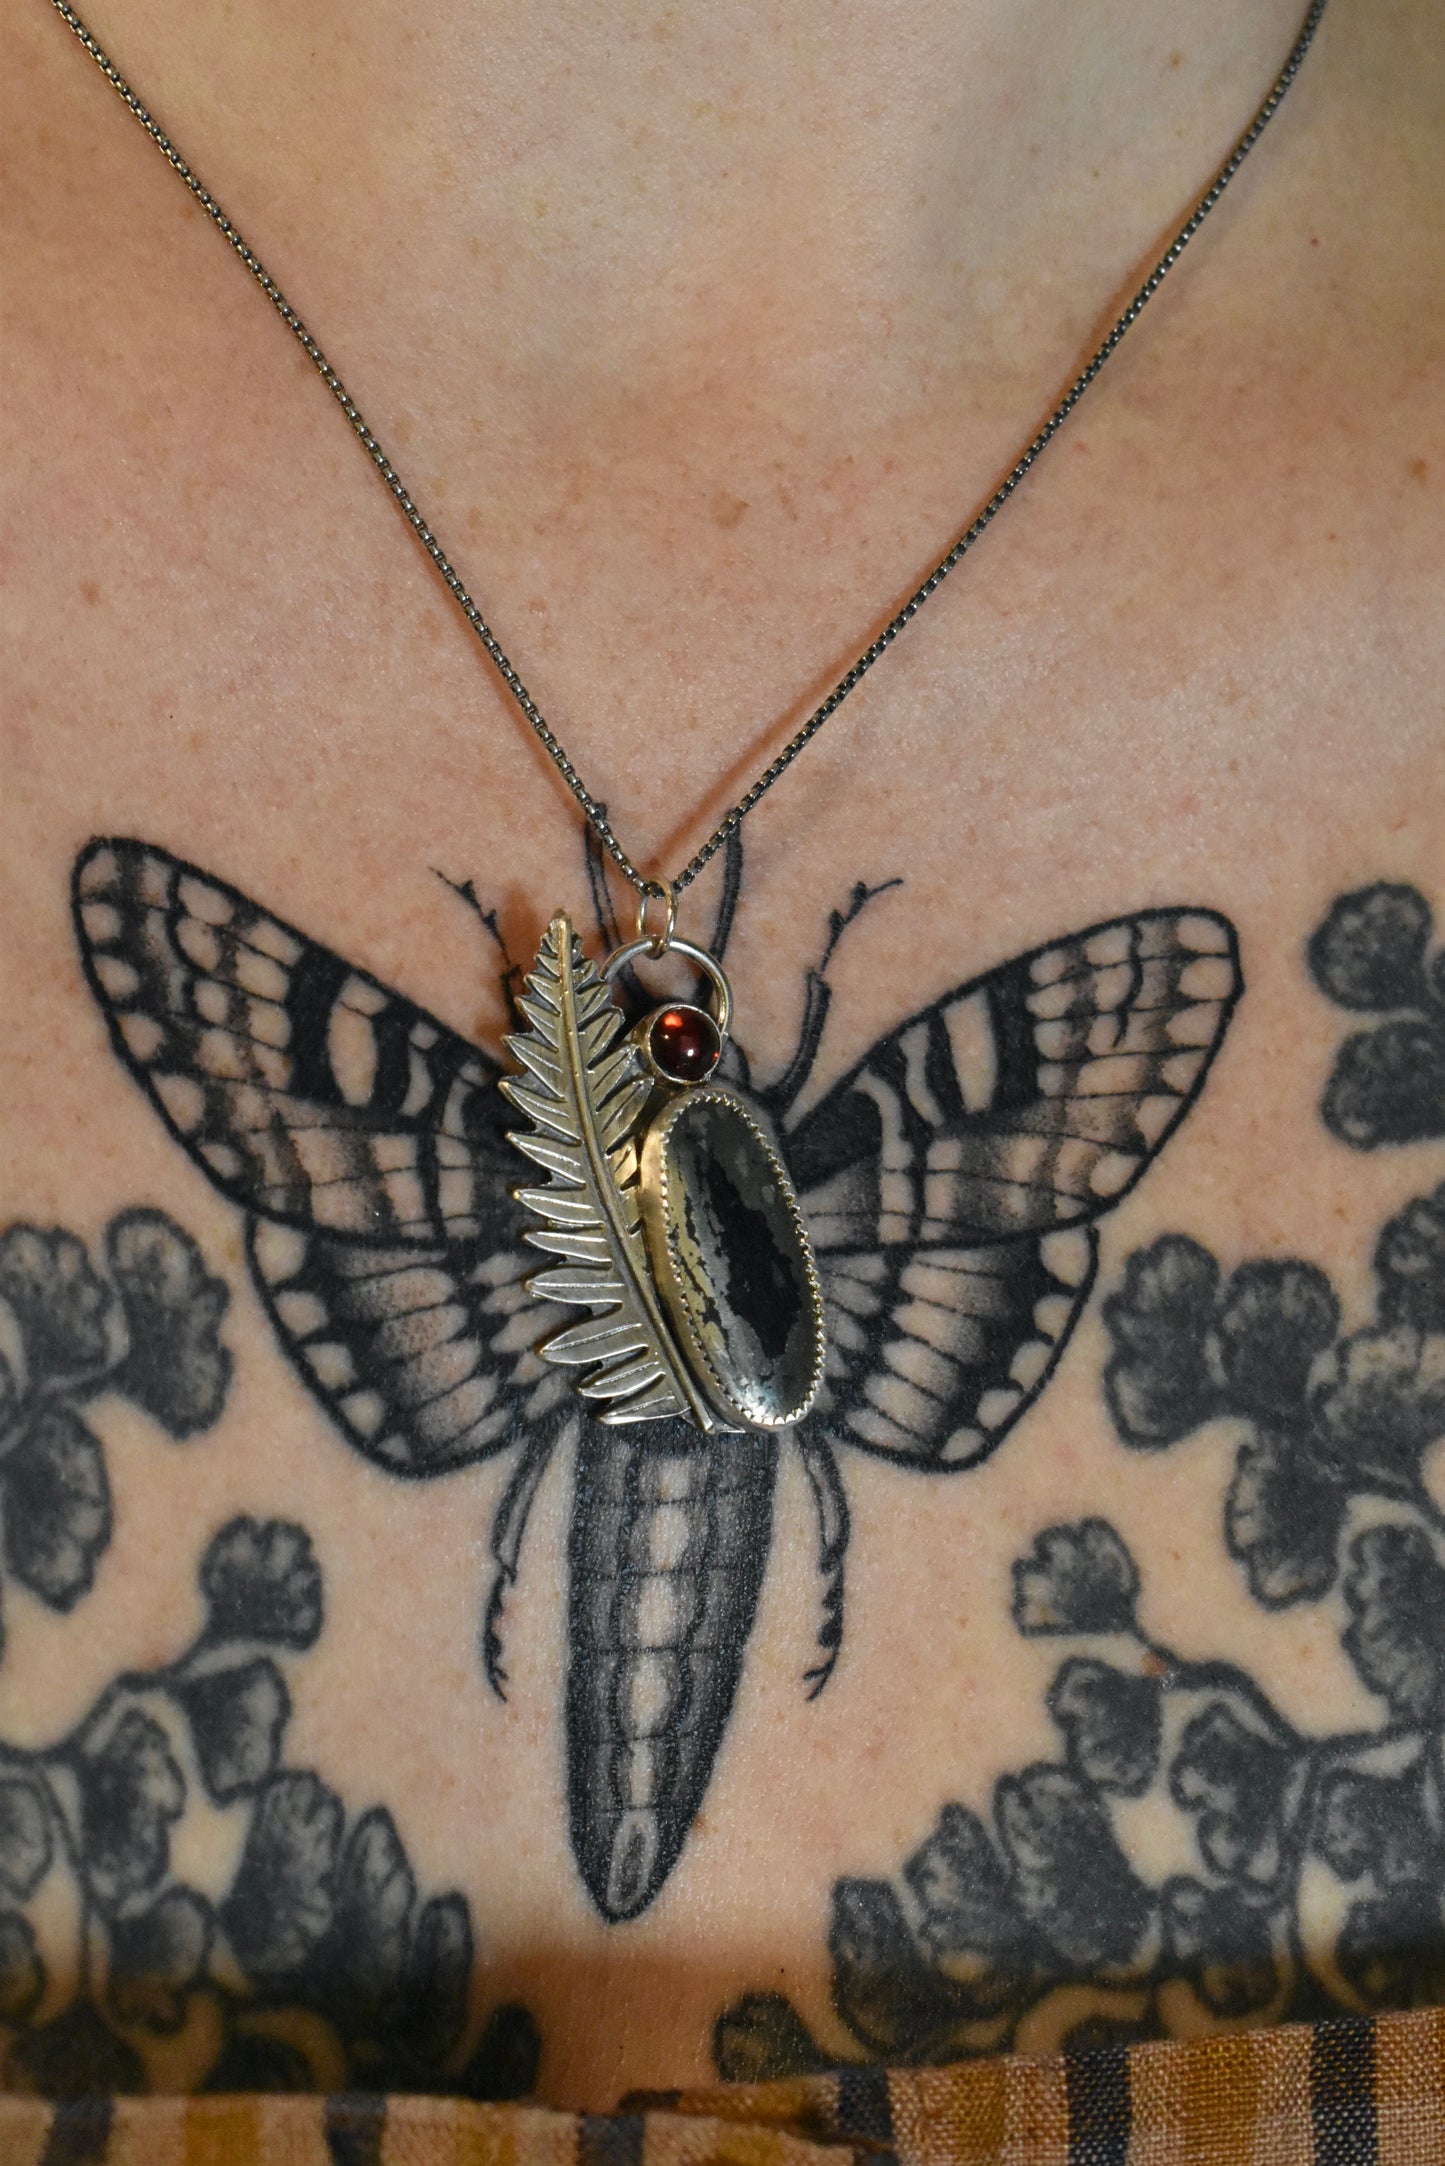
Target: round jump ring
[[661, 891], [710, 967]]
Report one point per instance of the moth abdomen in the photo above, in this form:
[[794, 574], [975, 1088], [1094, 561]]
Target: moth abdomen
[[669, 1538]]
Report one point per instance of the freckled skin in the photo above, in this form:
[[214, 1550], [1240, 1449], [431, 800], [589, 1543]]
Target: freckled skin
[[841, 296]]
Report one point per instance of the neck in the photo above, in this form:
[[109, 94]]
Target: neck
[[715, 318], [639, 177]]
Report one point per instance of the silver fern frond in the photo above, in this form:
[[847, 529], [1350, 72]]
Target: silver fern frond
[[583, 1090]]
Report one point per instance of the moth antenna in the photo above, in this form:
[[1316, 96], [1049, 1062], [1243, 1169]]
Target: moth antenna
[[512, 972], [731, 889], [840, 920], [781, 1095]]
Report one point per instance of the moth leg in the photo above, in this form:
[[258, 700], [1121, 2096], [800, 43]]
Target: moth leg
[[831, 1502], [779, 1097], [509, 1527]]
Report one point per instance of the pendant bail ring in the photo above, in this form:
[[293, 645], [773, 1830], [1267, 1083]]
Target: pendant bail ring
[[657, 891], [633, 950]]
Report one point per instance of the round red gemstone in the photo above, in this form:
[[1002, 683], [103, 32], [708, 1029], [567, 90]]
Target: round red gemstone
[[685, 1043]]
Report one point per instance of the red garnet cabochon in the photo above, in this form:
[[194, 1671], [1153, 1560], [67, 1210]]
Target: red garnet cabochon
[[685, 1043]]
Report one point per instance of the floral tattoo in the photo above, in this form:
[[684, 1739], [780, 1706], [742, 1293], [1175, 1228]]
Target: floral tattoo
[[310, 1958], [1033, 1925], [143, 1326]]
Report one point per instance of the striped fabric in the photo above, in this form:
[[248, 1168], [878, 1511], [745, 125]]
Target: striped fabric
[[1346, 2093]]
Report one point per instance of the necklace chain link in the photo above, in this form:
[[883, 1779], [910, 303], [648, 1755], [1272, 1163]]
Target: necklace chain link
[[592, 808]]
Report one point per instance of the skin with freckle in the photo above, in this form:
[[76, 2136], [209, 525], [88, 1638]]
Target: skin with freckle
[[698, 333]]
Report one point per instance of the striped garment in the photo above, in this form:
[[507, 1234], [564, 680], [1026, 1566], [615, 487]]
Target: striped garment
[[1357, 2092]]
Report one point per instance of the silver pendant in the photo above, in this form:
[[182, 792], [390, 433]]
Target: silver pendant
[[670, 1212]]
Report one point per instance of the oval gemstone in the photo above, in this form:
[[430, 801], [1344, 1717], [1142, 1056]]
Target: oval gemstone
[[685, 1043], [732, 1261]]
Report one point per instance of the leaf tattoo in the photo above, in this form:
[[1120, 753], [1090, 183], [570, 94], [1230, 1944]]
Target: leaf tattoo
[[146, 1328], [1288, 1870], [294, 1953]]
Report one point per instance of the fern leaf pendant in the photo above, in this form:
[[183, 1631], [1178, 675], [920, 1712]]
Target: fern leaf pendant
[[671, 1215]]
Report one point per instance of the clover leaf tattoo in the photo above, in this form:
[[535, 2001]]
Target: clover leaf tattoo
[[309, 1957], [143, 1324], [1034, 1923], [1372, 956]]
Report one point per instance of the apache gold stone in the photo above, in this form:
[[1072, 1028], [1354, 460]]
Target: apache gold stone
[[732, 1261]]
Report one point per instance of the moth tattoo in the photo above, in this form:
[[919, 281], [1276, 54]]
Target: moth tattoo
[[949, 1183]]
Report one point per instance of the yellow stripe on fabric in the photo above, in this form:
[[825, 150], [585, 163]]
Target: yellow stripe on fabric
[[457, 2132], [803, 2105], [1410, 2088], [218, 2131], [950, 2116], [24, 2130], [670, 2139], [484, 2138], [1241, 2098], [1036, 2114]]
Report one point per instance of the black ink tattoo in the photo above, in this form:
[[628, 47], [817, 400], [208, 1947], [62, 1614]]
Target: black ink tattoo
[[669, 1541], [1332, 1421], [1371, 955], [1037, 1930], [145, 1326], [950, 1183], [309, 1960], [513, 973]]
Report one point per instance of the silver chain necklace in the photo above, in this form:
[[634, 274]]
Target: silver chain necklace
[[592, 808], [635, 1140]]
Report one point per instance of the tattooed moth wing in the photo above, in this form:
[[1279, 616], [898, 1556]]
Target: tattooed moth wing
[[364, 1139], [951, 1181]]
